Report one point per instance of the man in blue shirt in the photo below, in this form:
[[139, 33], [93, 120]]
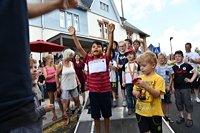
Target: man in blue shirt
[[16, 97]]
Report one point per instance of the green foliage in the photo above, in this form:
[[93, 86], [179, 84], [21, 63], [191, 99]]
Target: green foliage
[[197, 50]]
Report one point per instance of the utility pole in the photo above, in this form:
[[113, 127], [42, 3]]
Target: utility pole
[[122, 9], [171, 44]]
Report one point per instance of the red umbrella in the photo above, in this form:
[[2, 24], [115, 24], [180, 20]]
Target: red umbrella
[[41, 46]]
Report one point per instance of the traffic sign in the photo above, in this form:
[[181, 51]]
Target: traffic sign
[[156, 50]]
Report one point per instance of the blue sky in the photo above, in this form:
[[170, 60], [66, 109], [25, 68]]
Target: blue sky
[[162, 19]]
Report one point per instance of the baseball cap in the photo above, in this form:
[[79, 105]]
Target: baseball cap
[[128, 51]]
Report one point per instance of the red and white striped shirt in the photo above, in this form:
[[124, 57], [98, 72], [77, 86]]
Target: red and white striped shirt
[[99, 81]]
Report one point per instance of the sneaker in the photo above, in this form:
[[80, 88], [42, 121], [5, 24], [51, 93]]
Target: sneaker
[[180, 120], [130, 111], [189, 123], [197, 99], [124, 104], [114, 103]]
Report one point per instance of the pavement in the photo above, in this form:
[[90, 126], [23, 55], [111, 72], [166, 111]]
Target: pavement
[[49, 122], [174, 114]]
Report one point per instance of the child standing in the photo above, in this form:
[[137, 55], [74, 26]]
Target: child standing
[[130, 71], [128, 43], [36, 125], [121, 60], [98, 65], [147, 91], [136, 46], [113, 77], [181, 88], [166, 72]]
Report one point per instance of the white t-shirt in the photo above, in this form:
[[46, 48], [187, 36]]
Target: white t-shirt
[[113, 77], [192, 55], [128, 78]]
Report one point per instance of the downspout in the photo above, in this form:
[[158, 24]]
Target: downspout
[[42, 22]]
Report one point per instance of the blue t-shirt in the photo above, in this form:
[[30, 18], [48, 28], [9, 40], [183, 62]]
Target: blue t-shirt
[[165, 73], [122, 60], [15, 86], [115, 57]]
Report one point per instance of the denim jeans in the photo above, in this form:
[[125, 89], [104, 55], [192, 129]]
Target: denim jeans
[[130, 98], [42, 90]]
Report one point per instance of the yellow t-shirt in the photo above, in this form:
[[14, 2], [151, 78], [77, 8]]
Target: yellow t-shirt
[[148, 105]]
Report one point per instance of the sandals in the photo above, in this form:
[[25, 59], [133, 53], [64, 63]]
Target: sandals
[[189, 123], [180, 120], [65, 116], [54, 118], [67, 122], [167, 118]]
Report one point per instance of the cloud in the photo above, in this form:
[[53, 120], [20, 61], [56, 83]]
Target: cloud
[[180, 37], [177, 1], [196, 32], [140, 8]]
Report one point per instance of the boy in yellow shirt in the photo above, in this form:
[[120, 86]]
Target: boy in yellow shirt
[[147, 90]]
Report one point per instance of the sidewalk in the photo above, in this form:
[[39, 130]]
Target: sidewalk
[[48, 122]]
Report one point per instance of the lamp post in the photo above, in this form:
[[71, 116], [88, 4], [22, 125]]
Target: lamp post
[[171, 44]]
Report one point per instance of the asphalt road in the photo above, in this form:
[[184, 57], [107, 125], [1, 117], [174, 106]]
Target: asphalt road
[[174, 114], [181, 128]]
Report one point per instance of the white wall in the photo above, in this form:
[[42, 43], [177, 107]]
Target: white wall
[[119, 33], [35, 34]]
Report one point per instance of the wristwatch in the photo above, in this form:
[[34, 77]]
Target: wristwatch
[[57, 87]]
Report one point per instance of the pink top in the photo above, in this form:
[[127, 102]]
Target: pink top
[[100, 81], [49, 72]]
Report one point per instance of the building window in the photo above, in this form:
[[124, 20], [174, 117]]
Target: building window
[[100, 30], [69, 19], [106, 30], [62, 19], [103, 28], [101, 5], [76, 22], [104, 6], [129, 35]]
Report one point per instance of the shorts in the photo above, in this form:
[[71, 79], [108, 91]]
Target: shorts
[[51, 87], [123, 88], [196, 83], [100, 102], [167, 98], [113, 86], [182, 97], [153, 124], [67, 93]]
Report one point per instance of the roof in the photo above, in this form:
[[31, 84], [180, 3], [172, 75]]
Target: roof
[[150, 47], [87, 3], [132, 28], [84, 4]]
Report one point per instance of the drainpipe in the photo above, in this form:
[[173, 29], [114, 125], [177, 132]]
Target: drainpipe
[[42, 22]]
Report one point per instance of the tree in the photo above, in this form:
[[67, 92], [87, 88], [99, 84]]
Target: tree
[[197, 50]]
